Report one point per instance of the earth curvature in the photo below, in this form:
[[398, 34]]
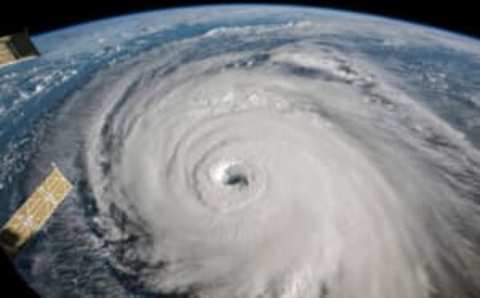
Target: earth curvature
[[249, 151]]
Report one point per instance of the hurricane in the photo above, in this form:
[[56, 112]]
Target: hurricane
[[259, 161]]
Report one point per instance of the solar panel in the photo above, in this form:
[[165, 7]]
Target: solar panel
[[16, 47], [36, 210]]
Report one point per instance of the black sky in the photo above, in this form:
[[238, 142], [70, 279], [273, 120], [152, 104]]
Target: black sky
[[40, 16]]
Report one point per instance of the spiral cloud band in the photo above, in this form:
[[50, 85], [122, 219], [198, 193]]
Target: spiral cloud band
[[273, 167]]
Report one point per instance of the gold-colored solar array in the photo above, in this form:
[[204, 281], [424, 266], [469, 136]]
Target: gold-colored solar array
[[33, 214], [16, 47]]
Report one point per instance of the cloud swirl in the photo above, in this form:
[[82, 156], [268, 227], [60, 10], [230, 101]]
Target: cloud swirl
[[275, 165]]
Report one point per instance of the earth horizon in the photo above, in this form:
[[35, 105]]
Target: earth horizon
[[248, 151]]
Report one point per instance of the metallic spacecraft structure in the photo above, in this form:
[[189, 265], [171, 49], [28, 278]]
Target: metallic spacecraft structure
[[16, 47], [33, 214]]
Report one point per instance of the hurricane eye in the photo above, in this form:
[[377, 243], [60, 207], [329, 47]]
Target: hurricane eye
[[234, 177]]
